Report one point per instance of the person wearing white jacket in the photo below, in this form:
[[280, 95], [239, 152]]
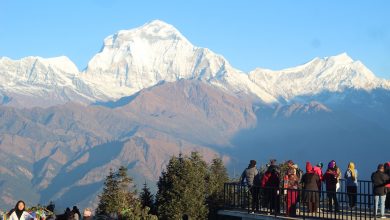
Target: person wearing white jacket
[[19, 212]]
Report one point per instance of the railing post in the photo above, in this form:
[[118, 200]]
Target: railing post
[[224, 195], [248, 199]]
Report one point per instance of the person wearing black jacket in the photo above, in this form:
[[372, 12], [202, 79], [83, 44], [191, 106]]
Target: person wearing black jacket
[[76, 211], [379, 181]]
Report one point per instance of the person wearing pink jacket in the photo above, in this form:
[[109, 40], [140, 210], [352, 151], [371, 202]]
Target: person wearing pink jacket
[[318, 171]]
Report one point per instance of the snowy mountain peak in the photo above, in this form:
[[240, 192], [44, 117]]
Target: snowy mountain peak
[[142, 57], [161, 29], [61, 63], [138, 58], [152, 32], [329, 74], [342, 58]]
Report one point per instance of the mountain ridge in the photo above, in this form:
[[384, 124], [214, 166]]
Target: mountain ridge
[[138, 58]]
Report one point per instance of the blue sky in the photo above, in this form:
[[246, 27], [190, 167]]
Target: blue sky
[[269, 34]]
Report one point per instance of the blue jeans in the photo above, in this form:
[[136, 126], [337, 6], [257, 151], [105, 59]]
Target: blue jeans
[[381, 200]]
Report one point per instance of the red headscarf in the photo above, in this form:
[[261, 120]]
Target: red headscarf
[[309, 167]]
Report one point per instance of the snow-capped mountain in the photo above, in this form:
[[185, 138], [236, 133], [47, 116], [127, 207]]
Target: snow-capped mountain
[[131, 60], [330, 74], [39, 81]]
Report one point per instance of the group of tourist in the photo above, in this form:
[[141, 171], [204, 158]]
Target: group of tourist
[[20, 213], [75, 214], [266, 186]]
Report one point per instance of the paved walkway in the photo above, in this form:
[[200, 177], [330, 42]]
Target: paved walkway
[[244, 215]]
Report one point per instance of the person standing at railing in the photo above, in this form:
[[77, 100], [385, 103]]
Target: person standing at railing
[[270, 183], [387, 171], [292, 185], [379, 181], [310, 181], [318, 171], [338, 171], [249, 176], [351, 177], [331, 178]]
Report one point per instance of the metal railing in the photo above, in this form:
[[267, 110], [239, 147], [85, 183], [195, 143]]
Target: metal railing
[[293, 202]]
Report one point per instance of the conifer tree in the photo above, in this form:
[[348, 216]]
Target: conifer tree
[[182, 188], [147, 198], [168, 195], [119, 198], [109, 197], [217, 177], [126, 192]]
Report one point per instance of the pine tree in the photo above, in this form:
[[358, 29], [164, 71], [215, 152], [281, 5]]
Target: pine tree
[[182, 188], [147, 198], [168, 195], [126, 192], [217, 177], [198, 173], [119, 198], [109, 197]]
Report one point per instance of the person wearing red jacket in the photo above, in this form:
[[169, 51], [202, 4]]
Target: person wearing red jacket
[[270, 183]]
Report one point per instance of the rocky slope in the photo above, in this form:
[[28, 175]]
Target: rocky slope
[[62, 153]]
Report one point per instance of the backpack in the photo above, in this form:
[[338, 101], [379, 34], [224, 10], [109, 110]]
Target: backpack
[[257, 180]]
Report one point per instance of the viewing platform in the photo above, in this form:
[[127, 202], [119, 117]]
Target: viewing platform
[[271, 203]]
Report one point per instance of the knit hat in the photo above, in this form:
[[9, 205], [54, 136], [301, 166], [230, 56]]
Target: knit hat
[[320, 164], [309, 167], [332, 164]]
